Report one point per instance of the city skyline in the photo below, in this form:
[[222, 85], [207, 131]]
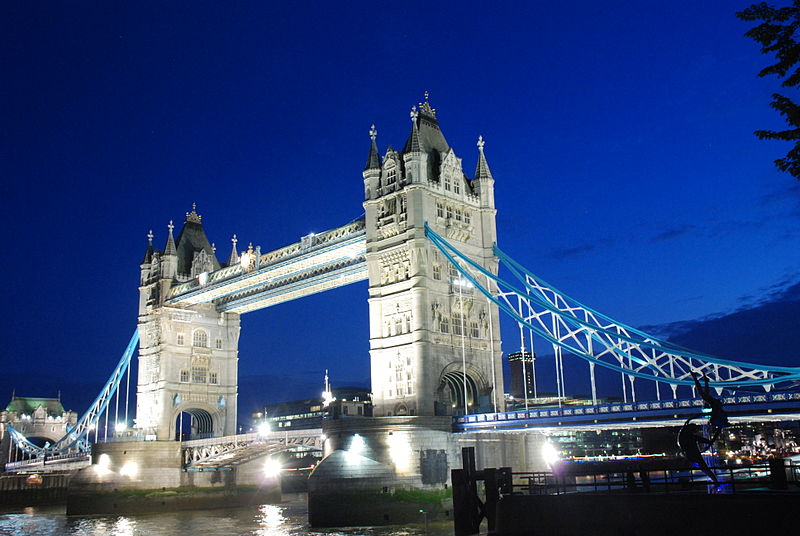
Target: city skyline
[[621, 144]]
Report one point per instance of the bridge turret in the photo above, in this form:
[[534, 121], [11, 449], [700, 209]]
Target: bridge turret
[[372, 169], [416, 160], [431, 337], [169, 259], [484, 181], [188, 353], [234, 258]]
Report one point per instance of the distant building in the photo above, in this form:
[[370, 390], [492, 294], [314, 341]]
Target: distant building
[[39, 419], [308, 413], [521, 364]]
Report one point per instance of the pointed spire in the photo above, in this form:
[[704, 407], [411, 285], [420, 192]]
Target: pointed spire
[[374, 159], [482, 169], [412, 145], [148, 255], [169, 249], [234, 258]]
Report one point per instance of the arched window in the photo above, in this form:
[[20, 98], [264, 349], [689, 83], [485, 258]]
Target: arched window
[[200, 339]]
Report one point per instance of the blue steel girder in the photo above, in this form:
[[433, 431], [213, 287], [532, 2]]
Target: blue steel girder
[[598, 339], [316, 263]]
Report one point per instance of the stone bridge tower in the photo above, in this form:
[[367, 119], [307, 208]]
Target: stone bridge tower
[[425, 322], [188, 355]]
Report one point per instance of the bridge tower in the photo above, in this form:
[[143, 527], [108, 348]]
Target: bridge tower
[[188, 354], [426, 322]]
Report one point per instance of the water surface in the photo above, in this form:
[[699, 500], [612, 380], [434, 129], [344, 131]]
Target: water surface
[[288, 518]]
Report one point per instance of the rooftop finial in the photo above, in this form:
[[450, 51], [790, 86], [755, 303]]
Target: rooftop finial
[[234, 240], [425, 107], [481, 143], [150, 237], [414, 113], [213, 247], [373, 133], [193, 216], [171, 226]]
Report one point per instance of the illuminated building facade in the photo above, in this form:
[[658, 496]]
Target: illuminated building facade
[[188, 356], [434, 340]]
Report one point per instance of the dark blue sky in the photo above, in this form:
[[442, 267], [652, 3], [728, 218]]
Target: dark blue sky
[[619, 135]]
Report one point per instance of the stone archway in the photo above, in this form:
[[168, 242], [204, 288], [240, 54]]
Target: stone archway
[[193, 422], [450, 392]]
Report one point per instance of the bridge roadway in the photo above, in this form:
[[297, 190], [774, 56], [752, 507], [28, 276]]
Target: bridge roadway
[[742, 408], [316, 263]]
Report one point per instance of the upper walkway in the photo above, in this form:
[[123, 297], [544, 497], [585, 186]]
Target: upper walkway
[[315, 263]]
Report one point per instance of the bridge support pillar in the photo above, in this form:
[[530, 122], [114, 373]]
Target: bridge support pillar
[[393, 467]]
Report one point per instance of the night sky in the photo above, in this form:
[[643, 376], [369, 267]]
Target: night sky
[[620, 136]]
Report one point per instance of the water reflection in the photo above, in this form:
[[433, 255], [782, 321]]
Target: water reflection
[[288, 518], [271, 521]]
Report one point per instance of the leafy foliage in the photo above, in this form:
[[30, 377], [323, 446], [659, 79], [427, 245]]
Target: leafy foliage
[[776, 35]]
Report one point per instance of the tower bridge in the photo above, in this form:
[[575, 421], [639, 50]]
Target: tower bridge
[[427, 244]]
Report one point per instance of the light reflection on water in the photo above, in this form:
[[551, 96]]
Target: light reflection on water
[[288, 518]]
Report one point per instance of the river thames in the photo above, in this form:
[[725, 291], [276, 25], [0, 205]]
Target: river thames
[[288, 518]]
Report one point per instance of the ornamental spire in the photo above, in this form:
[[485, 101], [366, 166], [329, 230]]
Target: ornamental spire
[[170, 249], [234, 258], [148, 255], [482, 171], [413, 145], [374, 159]]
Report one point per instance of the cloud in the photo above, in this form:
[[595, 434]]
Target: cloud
[[763, 330], [560, 254], [674, 232]]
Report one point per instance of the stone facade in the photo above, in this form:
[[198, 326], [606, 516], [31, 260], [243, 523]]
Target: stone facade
[[424, 321], [188, 355]]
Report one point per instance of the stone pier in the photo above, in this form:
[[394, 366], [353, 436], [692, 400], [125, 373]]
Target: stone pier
[[386, 470], [147, 476]]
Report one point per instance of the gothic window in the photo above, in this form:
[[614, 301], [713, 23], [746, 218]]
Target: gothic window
[[449, 212], [212, 378], [402, 199], [398, 326], [473, 330], [184, 376], [437, 271], [453, 271], [458, 214], [457, 323], [439, 209], [444, 325], [199, 374], [179, 340], [456, 186], [200, 339], [391, 175], [467, 217], [447, 182], [219, 343]]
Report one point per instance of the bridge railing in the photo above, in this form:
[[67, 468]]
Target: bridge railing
[[619, 408], [732, 478], [49, 460]]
